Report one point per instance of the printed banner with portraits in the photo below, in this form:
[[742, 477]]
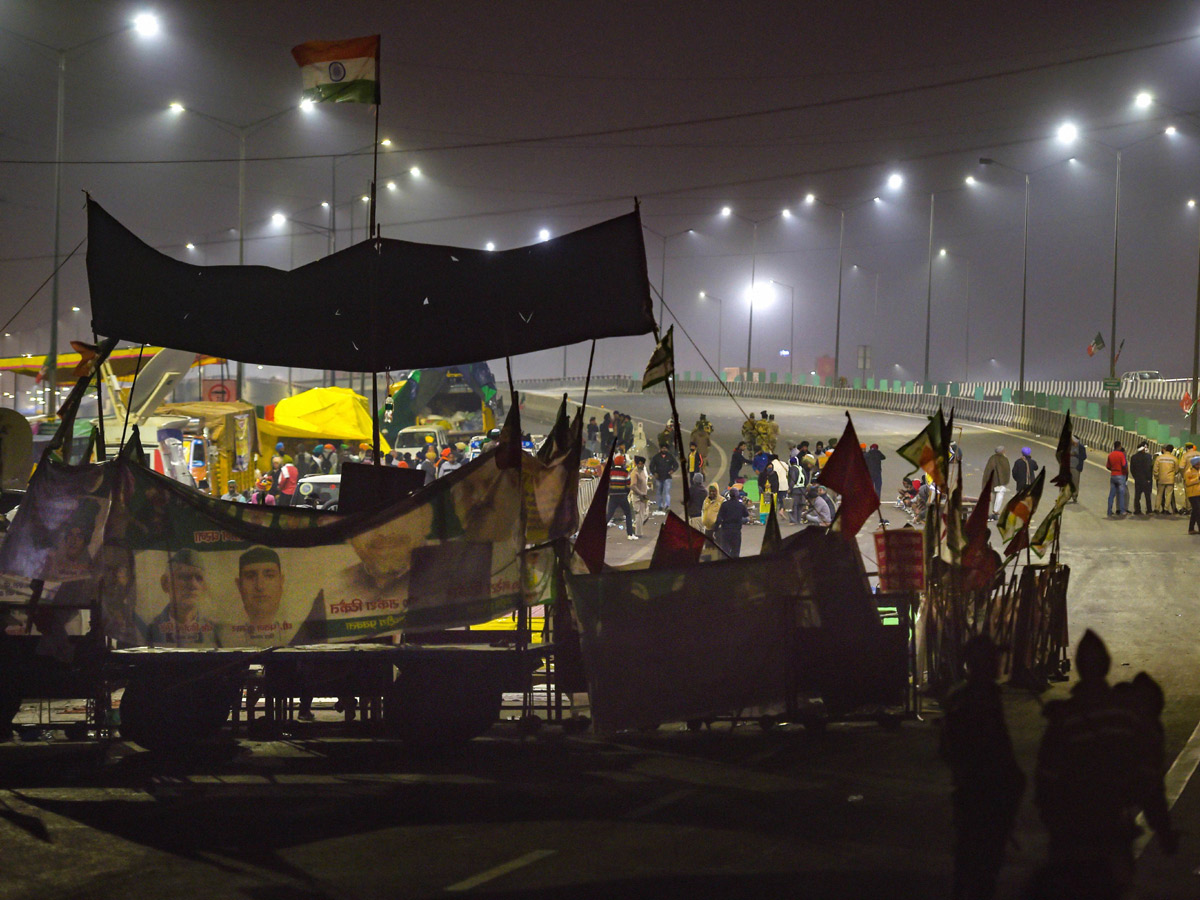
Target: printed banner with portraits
[[176, 568]]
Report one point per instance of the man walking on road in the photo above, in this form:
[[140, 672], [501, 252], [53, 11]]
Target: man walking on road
[[1165, 469], [1141, 469], [874, 458], [730, 517], [1024, 470], [1078, 458], [1118, 475], [1000, 471], [1191, 488], [618, 495], [662, 467]]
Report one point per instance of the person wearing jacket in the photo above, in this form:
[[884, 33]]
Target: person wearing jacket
[[1164, 471], [737, 461], [618, 495], [1024, 470], [1191, 487], [1141, 470], [730, 517], [708, 513], [1078, 458], [639, 494], [662, 467], [874, 458], [999, 469], [797, 482]]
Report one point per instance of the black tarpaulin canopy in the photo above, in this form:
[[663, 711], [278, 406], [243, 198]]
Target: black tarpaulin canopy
[[379, 305]]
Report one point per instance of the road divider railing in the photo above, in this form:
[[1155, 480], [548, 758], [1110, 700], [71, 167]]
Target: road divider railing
[[1044, 417]]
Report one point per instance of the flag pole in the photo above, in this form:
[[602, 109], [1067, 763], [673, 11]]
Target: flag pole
[[374, 169]]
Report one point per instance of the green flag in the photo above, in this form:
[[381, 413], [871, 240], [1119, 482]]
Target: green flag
[[662, 361], [1047, 532]]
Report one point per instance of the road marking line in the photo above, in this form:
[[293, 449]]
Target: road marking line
[[660, 803], [1176, 780], [502, 869]]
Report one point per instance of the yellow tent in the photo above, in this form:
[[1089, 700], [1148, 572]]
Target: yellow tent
[[321, 414]]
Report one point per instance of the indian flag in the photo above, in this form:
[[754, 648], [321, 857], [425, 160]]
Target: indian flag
[[340, 70]]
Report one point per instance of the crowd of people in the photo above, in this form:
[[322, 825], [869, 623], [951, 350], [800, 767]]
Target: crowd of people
[[758, 479], [277, 485]]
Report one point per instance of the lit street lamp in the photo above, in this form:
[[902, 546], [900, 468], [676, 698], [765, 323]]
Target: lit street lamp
[[726, 212], [946, 254], [1068, 134], [895, 181], [146, 25], [929, 278], [662, 272], [241, 132]]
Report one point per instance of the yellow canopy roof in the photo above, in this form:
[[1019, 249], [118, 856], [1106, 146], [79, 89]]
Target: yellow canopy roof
[[321, 414], [124, 363]]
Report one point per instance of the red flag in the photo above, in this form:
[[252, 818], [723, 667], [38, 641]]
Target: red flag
[[593, 533], [846, 472], [1186, 403], [678, 544], [978, 558], [1018, 543]]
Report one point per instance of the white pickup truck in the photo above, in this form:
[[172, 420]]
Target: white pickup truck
[[420, 439]]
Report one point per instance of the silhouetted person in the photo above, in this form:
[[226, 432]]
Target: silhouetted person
[[1096, 769], [988, 783]]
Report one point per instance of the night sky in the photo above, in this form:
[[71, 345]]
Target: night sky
[[530, 115]]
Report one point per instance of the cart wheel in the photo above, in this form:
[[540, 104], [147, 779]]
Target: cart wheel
[[76, 731], [529, 725], [889, 721], [577, 724], [814, 723], [161, 717], [427, 719]]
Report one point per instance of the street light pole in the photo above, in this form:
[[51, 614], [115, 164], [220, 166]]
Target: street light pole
[[792, 331], [146, 24], [753, 270], [837, 329], [1112, 344], [721, 316], [241, 132], [967, 352], [929, 292]]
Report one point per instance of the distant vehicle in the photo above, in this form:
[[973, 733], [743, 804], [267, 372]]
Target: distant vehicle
[[319, 491], [1142, 375], [420, 439]]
